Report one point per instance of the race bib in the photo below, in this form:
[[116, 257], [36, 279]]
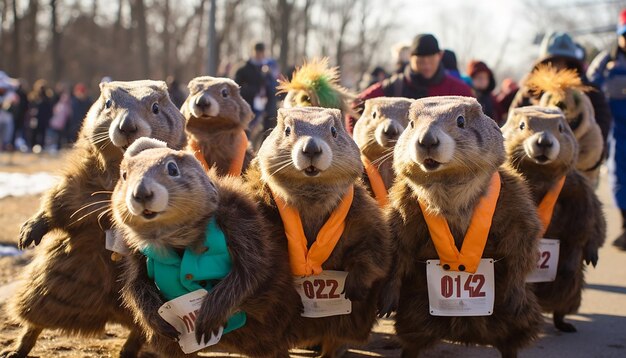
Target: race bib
[[545, 271], [322, 295], [114, 242], [452, 293], [181, 313]]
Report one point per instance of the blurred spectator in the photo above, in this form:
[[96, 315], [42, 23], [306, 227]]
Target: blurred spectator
[[401, 53], [448, 60], [177, 95], [80, 106], [608, 71], [41, 112], [20, 117], [423, 77], [7, 98], [559, 50], [257, 85], [61, 114], [508, 88], [483, 83], [378, 74]]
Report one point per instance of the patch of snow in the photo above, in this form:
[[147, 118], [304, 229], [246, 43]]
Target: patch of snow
[[20, 184], [8, 250]]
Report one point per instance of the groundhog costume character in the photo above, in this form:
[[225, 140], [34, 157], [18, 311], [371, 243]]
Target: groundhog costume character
[[316, 84], [191, 232], [565, 90], [306, 179], [376, 134], [453, 202], [542, 148], [72, 283], [217, 118]]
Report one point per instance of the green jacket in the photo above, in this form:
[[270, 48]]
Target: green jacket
[[176, 276]]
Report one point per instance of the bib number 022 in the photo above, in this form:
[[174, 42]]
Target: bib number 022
[[322, 295], [321, 289]]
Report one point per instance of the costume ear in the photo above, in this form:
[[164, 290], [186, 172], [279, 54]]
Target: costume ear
[[245, 112], [142, 144]]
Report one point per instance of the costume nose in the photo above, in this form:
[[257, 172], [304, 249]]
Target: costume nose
[[311, 148], [544, 141], [142, 194], [127, 126], [428, 140], [391, 130], [203, 102]]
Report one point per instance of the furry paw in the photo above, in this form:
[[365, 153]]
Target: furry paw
[[11, 354], [208, 322], [591, 256], [33, 231], [565, 327], [387, 302], [354, 289], [163, 328]]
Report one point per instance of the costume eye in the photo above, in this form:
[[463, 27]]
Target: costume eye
[[374, 115], [287, 131], [224, 92], [172, 169], [460, 122], [522, 125], [333, 131], [108, 103], [560, 128], [123, 175], [305, 99], [412, 123], [155, 108]]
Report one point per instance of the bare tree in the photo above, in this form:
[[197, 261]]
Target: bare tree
[[138, 15], [57, 65]]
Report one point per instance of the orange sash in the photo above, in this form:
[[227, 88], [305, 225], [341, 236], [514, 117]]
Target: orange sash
[[376, 182], [546, 206], [236, 166], [303, 261], [475, 237]]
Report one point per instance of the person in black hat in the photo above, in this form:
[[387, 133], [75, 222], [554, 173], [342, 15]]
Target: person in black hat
[[425, 76]]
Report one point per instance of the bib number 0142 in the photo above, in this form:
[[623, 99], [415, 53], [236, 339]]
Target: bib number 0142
[[453, 293]]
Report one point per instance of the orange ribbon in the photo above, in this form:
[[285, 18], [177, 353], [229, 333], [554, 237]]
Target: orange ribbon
[[475, 238], [303, 261], [546, 206], [376, 182], [236, 166]]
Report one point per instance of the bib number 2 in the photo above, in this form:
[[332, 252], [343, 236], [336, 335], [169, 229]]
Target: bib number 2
[[452, 293], [547, 262], [322, 295]]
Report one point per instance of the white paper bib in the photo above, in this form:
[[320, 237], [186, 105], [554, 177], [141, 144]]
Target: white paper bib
[[322, 295], [452, 293], [545, 271], [114, 242], [181, 313]]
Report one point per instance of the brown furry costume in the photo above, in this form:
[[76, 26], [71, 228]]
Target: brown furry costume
[[577, 221], [564, 89], [446, 157], [72, 283], [376, 133], [216, 115], [315, 188], [260, 279]]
